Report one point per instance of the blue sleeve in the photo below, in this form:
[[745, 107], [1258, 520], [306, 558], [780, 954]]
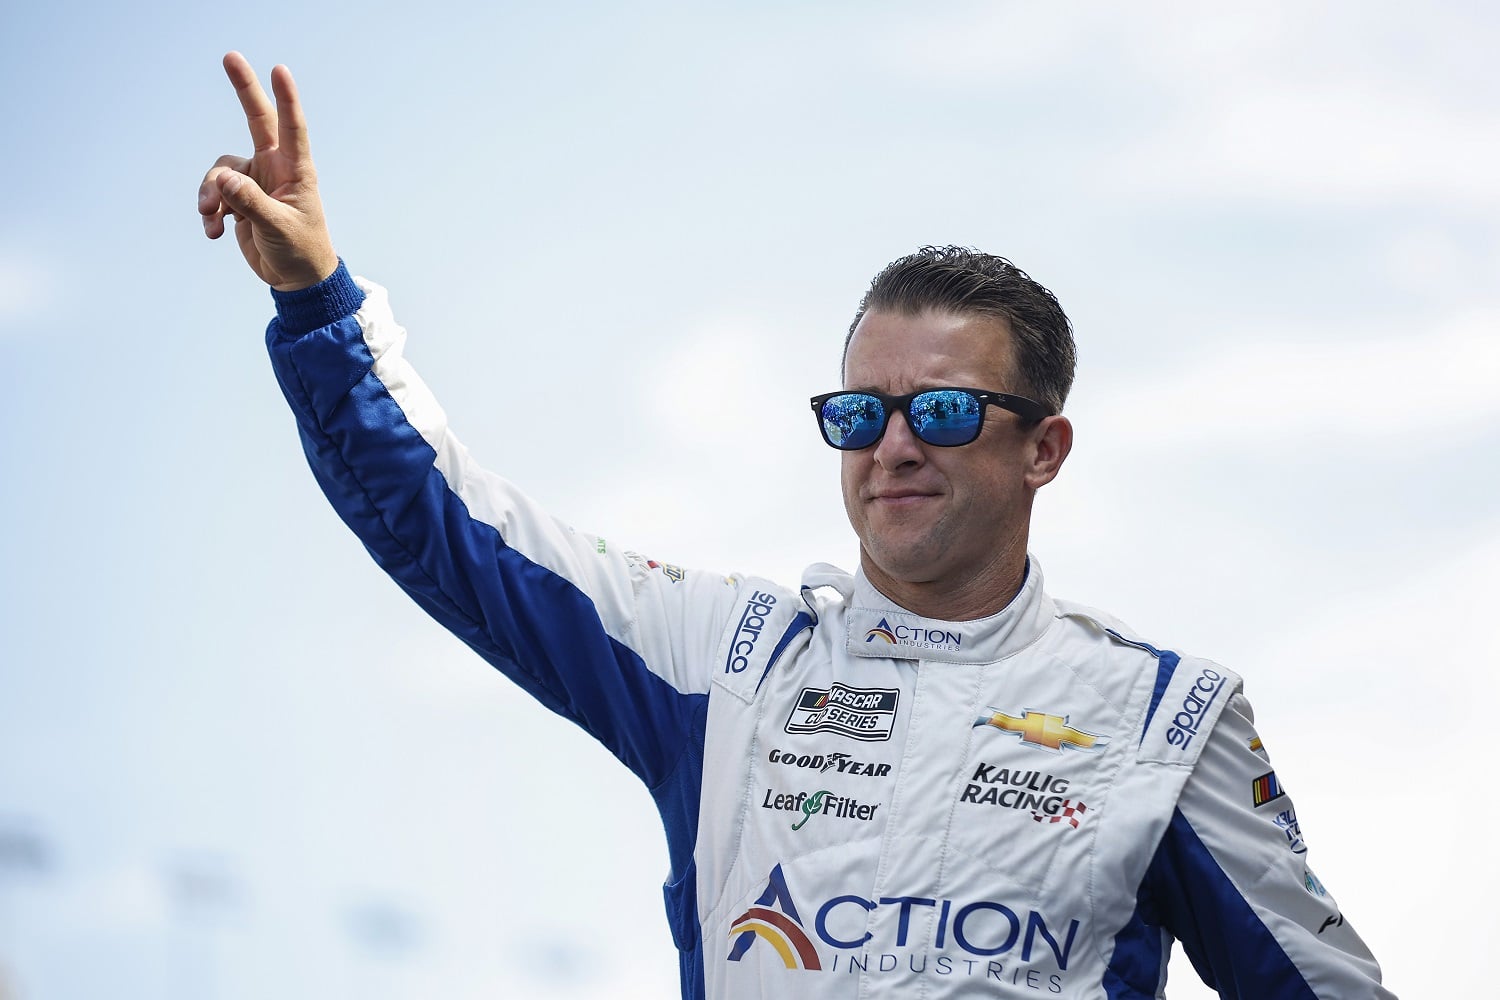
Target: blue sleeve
[[612, 641]]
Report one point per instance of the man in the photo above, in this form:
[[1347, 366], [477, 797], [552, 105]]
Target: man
[[924, 779]]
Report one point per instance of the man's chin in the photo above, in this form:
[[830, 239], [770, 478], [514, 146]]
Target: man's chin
[[910, 566]]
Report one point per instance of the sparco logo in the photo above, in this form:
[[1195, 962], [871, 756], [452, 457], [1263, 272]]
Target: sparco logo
[[858, 713], [1190, 714], [916, 636], [821, 762], [751, 622], [980, 939]]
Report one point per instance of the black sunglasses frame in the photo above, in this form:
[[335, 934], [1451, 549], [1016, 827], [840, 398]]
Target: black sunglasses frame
[[1027, 409]]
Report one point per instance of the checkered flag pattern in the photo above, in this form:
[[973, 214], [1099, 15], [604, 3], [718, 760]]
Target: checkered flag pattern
[[1069, 813]]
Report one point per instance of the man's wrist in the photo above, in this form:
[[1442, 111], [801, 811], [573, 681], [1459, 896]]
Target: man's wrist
[[331, 299], [316, 275]]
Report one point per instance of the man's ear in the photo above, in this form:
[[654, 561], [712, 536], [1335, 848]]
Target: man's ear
[[1052, 440]]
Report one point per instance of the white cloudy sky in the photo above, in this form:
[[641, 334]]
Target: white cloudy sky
[[236, 763]]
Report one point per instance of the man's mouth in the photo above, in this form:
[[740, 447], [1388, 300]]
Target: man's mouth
[[902, 497]]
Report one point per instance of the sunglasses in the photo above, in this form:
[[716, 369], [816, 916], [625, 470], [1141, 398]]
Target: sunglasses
[[946, 417]]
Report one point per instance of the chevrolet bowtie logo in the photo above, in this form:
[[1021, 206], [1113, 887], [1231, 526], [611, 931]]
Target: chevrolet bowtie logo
[[1050, 732]]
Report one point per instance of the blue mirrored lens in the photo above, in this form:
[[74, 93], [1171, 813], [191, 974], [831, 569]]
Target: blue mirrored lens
[[946, 417], [853, 420]]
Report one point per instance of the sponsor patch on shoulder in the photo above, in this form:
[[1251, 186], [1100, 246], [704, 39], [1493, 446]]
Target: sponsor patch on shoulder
[[1286, 821], [758, 608], [1188, 705], [674, 573], [1266, 789]]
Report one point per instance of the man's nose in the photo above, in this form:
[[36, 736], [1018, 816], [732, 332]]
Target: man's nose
[[899, 445]]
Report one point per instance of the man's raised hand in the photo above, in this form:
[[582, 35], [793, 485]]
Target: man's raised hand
[[273, 194]]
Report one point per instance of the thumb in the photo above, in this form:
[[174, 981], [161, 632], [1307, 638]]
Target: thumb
[[245, 198]]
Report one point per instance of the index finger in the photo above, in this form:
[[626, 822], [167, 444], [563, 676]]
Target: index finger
[[259, 114]]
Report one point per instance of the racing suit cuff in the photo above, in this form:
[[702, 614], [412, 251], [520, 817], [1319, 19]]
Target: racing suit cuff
[[331, 299]]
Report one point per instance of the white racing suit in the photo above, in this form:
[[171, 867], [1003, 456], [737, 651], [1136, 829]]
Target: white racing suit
[[858, 802]]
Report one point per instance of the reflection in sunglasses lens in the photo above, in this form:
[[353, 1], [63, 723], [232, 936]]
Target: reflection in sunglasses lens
[[853, 420], [945, 417]]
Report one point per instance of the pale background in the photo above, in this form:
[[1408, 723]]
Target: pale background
[[235, 762]]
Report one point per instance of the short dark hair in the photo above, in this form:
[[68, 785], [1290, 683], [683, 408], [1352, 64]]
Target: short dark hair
[[964, 281]]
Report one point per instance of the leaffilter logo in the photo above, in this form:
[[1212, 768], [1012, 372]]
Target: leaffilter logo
[[811, 808]]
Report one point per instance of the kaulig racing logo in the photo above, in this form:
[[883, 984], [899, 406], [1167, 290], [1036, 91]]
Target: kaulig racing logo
[[980, 938]]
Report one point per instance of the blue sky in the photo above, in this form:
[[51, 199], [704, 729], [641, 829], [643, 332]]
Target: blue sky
[[250, 765]]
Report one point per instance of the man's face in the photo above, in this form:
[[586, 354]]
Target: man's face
[[954, 517]]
